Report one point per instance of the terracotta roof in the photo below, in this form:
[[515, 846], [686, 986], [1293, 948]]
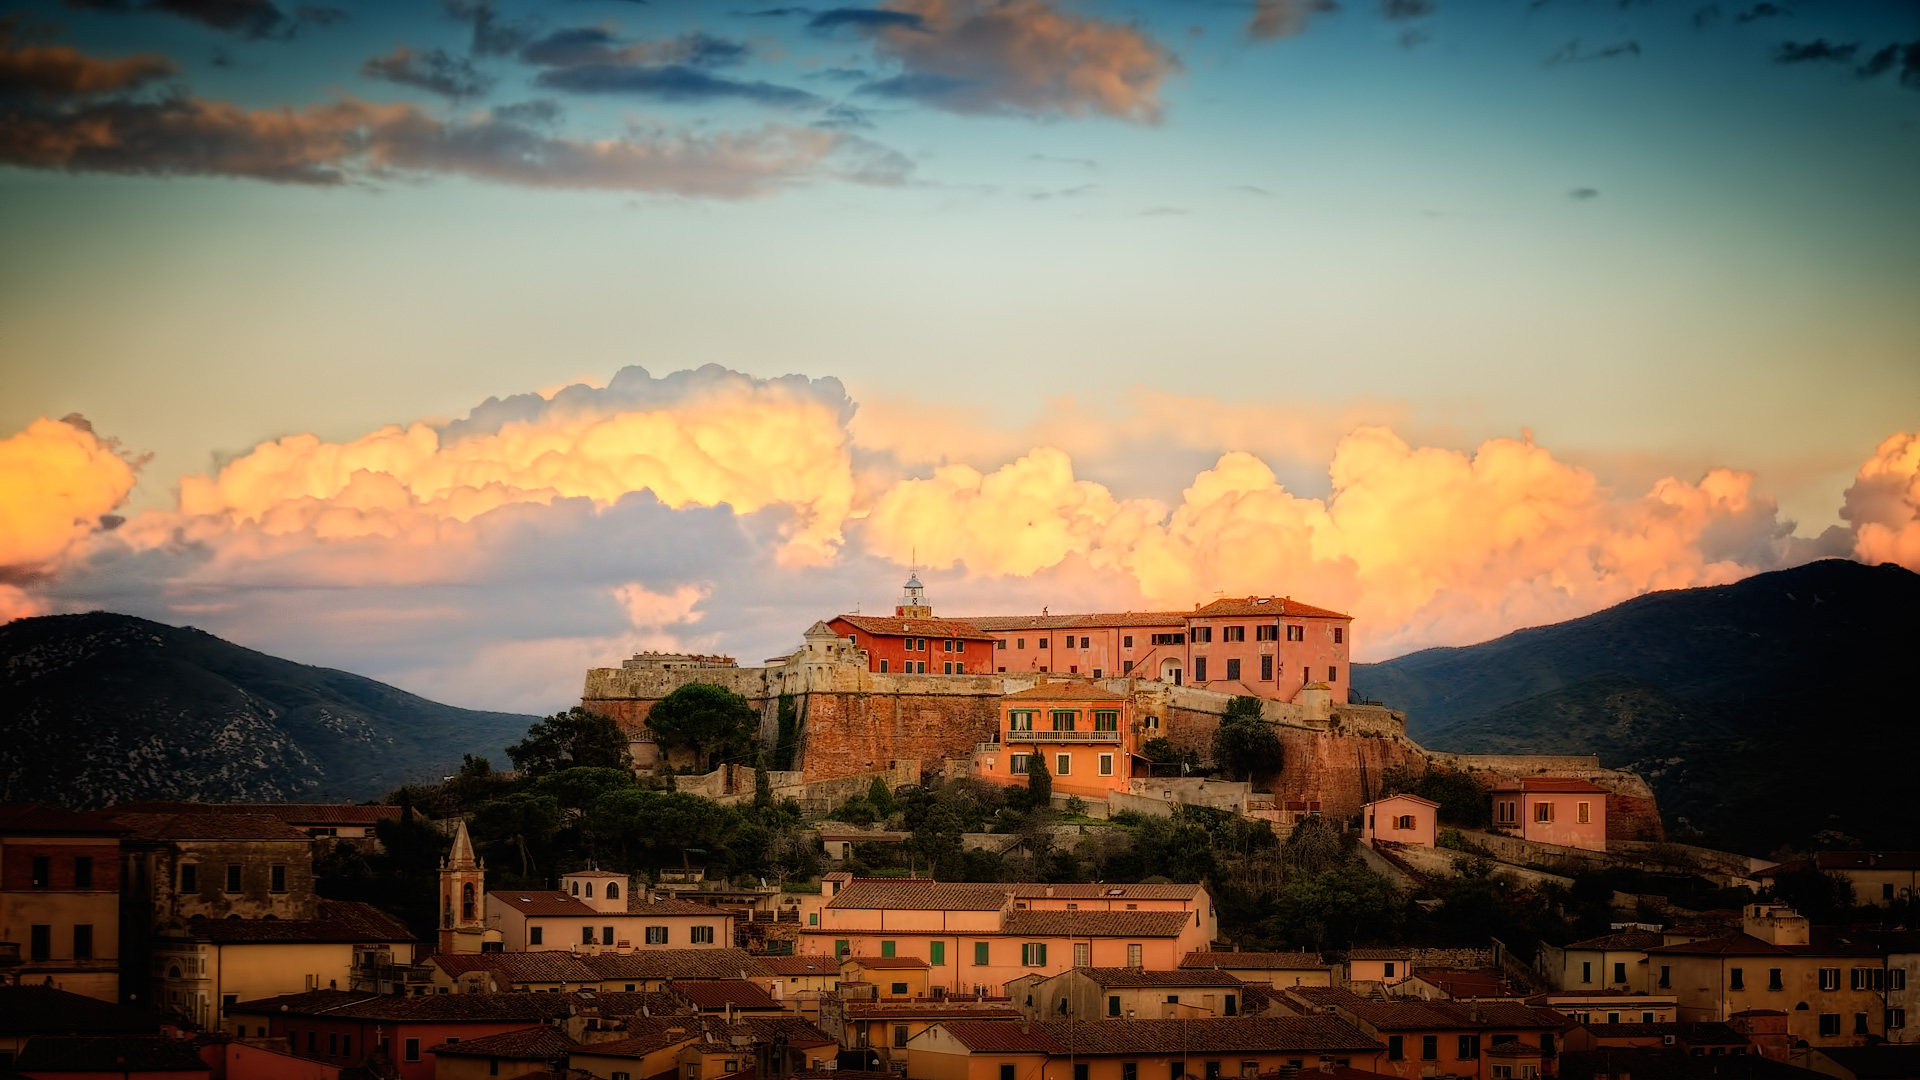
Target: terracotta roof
[[1123, 977], [116, 1054], [527, 1044], [453, 1008], [921, 895], [799, 965], [1461, 983], [1403, 796], [339, 921], [291, 813], [638, 904], [891, 626], [1327, 995], [1571, 996], [1405, 1014], [1064, 690], [1217, 1035], [678, 964], [1096, 923], [720, 993], [1725, 945], [536, 903], [1382, 953], [649, 1034], [157, 827], [39, 819], [43, 1010], [1264, 961], [885, 963], [1702, 1033], [1173, 620], [1269, 606], [1550, 785], [796, 1031], [1037, 891], [553, 965], [597, 875], [1631, 939], [929, 1010]]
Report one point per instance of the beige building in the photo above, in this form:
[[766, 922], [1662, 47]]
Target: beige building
[[594, 910], [1387, 966], [60, 899], [1127, 994], [1877, 877], [1615, 962], [1276, 969], [1400, 819]]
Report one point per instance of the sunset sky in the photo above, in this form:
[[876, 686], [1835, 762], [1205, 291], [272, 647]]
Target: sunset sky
[[466, 345]]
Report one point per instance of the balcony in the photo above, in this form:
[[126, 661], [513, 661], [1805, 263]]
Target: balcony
[[1027, 738]]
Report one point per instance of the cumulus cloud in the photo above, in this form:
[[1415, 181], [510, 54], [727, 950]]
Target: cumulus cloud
[[59, 483], [1019, 56], [1884, 503]]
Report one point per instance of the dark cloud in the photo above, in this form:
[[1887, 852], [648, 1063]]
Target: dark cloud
[[1761, 11], [1706, 16], [435, 70], [840, 74], [866, 19], [1817, 51], [775, 12], [1274, 19], [573, 45], [1584, 193], [1904, 58], [540, 112], [579, 45], [243, 18], [704, 50], [668, 82], [1402, 10], [492, 35], [1575, 53], [844, 117], [63, 71]]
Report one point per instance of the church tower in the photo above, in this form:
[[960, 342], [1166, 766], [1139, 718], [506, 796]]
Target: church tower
[[463, 897], [913, 603]]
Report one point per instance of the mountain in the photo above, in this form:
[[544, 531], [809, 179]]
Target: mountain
[[99, 708], [1763, 712]]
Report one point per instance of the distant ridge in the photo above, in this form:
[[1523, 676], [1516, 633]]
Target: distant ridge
[[101, 708], [1763, 712]]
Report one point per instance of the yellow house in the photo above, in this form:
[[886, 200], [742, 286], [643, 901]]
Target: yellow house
[[1277, 969], [890, 976], [202, 966], [1127, 994]]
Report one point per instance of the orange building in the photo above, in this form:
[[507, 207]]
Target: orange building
[[1138, 1050], [60, 898], [1084, 734], [913, 642], [1552, 810]]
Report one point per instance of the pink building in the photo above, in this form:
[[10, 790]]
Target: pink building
[[1141, 645], [1552, 810], [1401, 819], [1083, 733]]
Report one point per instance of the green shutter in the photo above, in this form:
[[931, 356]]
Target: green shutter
[[937, 953], [840, 948], [886, 948], [980, 953]]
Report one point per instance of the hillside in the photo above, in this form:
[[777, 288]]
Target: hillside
[[99, 708], [1762, 712]]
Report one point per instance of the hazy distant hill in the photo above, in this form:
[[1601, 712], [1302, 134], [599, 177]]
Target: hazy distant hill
[[1762, 712], [101, 707]]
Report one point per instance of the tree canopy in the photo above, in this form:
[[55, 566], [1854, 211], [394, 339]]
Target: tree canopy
[[569, 739], [713, 722], [1245, 746]]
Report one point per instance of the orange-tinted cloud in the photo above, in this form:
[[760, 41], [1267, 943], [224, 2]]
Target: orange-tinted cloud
[[57, 481], [992, 56], [1884, 503], [1283, 18], [62, 70]]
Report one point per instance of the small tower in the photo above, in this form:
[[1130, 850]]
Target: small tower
[[463, 897], [601, 890], [913, 604]]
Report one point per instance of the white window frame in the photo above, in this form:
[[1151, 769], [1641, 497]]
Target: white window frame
[[1063, 764], [1106, 764]]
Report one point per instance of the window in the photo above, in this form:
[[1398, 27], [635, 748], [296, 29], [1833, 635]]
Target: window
[[189, 878], [899, 1037], [1082, 954], [1859, 1023], [1886, 891], [1233, 633], [1006, 1072], [613, 890], [333, 1044], [1129, 1070], [1543, 811], [1169, 639], [313, 1039], [1020, 720], [656, 935], [1646, 1018], [839, 948], [1233, 668], [1020, 763], [40, 942], [702, 935], [1339, 635], [1232, 1005], [83, 941], [412, 1051], [1619, 972], [1666, 976], [1429, 1048], [1736, 979], [1211, 1070], [1199, 669], [586, 935], [1133, 956], [42, 872], [1773, 979], [1394, 1050], [1266, 669], [233, 877], [1033, 954], [1387, 969], [1333, 674], [1829, 979], [1202, 634], [1896, 978], [1043, 643], [1176, 1070], [1869, 979], [534, 934], [886, 948], [1296, 633], [1506, 808], [1896, 1019], [1106, 720], [1064, 719], [1404, 822], [1106, 764], [1266, 633], [1113, 1005], [1503, 1072], [946, 668], [83, 872], [897, 990], [1469, 1047], [980, 954], [1583, 813], [1613, 1018], [1829, 1024], [1306, 675], [1019, 643], [1062, 764], [1126, 667]]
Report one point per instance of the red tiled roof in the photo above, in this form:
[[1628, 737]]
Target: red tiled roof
[[796, 1031], [552, 965], [452, 1008], [1550, 785], [720, 993], [1256, 606], [678, 964], [527, 1044], [1096, 923], [799, 965], [108, 1054], [1465, 984], [1386, 953], [1114, 978], [637, 904], [1038, 891], [1693, 1033], [892, 626], [1172, 620], [884, 963], [1266, 961], [39, 819], [1632, 939], [205, 826], [44, 1010], [1726, 945], [1405, 1014], [1064, 690], [1217, 1035], [339, 921], [1327, 995], [291, 813], [650, 1034], [923, 895], [929, 1010]]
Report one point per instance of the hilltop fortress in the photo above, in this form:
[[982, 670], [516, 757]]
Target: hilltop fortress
[[857, 699]]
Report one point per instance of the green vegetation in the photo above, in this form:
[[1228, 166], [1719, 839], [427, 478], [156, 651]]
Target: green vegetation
[[570, 739], [714, 723], [1462, 799], [1245, 746]]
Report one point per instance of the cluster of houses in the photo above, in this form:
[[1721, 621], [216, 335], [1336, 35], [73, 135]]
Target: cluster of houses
[[163, 940]]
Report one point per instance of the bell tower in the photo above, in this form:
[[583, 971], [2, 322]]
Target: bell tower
[[463, 897], [913, 603]]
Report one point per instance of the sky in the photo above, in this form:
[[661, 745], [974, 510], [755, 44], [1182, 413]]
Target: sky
[[468, 344]]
